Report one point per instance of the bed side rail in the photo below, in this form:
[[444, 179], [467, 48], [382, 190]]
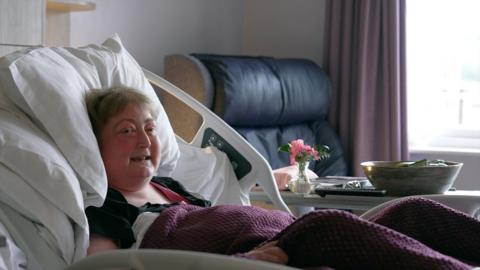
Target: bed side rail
[[259, 171]]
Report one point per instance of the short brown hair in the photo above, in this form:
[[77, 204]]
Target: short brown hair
[[103, 104]]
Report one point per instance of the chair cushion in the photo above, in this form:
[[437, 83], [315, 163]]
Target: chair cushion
[[264, 91]]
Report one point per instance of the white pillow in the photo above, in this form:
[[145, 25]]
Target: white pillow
[[209, 173], [49, 85], [38, 182], [32, 155]]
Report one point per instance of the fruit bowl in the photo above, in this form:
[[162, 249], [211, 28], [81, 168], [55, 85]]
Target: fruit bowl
[[402, 178]]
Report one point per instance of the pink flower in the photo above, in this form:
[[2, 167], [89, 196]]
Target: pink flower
[[296, 150], [301, 152]]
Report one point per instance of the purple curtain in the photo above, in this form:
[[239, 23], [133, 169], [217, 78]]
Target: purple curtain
[[365, 59]]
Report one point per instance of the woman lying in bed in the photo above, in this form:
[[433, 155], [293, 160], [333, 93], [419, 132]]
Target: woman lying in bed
[[415, 233]]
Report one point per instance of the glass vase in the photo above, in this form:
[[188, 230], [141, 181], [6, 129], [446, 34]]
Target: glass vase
[[301, 184]]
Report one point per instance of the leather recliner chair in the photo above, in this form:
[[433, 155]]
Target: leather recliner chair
[[268, 101]]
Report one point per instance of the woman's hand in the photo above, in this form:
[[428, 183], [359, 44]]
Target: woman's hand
[[269, 253], [100, 243], [285, 174]]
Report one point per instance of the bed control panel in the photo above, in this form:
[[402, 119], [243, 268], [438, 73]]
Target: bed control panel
[[240, 165]]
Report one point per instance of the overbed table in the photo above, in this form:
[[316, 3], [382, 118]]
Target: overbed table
[[346, 202]]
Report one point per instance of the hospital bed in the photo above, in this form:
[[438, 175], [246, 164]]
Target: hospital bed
[[50, 167]]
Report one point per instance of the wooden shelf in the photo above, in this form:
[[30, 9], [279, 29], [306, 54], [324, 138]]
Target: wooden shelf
[[70, 6]]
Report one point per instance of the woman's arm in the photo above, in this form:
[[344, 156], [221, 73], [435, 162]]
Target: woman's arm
[[100, 243]]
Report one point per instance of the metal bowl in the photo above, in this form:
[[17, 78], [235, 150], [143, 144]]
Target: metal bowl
[[399, 179]]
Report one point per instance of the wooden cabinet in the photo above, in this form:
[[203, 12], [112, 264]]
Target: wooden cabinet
[[57, 30], [69, 6], [21, 24], [25, 23]]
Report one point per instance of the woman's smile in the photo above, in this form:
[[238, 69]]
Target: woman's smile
[[130, 148], [141, 159]]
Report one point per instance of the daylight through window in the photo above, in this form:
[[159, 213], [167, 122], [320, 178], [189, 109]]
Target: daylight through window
[[443, 74]]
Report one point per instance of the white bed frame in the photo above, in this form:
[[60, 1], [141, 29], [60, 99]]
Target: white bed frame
[[150, 259]]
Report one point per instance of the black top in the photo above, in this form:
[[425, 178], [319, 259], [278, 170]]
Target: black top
[[114, 219]]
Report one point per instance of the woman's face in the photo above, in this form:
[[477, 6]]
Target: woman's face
[[130, 148]]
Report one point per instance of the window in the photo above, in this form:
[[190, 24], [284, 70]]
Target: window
[[443, 75]]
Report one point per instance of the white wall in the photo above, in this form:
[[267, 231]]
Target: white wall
[[284, 28], [151, 29]]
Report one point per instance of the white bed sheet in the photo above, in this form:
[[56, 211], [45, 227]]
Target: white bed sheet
[[141, 225], [46, 235], [11, 257]]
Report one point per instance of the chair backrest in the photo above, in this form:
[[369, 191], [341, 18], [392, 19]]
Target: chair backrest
[[268, 101]]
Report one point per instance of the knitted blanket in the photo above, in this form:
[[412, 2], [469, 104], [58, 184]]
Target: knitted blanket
[[412, 234]]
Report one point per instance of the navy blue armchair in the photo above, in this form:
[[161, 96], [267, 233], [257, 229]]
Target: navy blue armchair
[[268, 101]]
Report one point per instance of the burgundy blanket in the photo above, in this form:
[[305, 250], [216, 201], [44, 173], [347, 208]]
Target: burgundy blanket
[[415, 233]]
